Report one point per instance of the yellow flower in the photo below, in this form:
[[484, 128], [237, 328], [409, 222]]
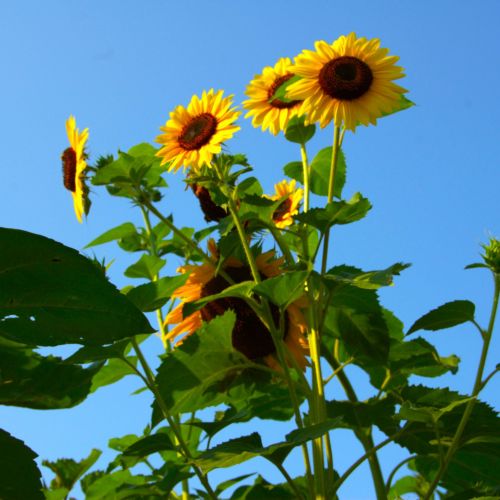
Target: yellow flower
[[250, 336], [270, 112], [349, 82], [74, 165], [194, 134], [283, 215]]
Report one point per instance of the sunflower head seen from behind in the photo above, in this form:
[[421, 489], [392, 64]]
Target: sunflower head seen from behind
[[74, 165], [249, 336], [267, 110], [350, 81], [194, 134]]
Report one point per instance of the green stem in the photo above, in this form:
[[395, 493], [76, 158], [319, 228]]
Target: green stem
[[289, 480], [282, 244], [369, 453], [478, 385], [171, 421], [331, 188], [388, 484], [305, 169]]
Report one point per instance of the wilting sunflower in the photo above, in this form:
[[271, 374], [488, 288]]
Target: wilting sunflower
[[270, 112], [74, 165], [194, 134], [250, 336], [283, 215], [349, 82]]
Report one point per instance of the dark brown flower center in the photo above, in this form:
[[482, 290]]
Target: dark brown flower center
[[278, 103], [250, 336], [282, 210], [69, 169], [212, 211], [345, 78], [198, 132]]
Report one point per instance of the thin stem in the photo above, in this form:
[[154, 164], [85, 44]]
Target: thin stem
[[478, 385], [360, 460], [282, 244], [331, 190], [489, 377], [171, 422], [289, 480], [305, 169], [393, 472], [337, 370]]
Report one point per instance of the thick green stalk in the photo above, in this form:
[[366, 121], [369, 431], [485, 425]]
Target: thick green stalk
[[478, 385], [171, 421], [331, 190], [305, 169]]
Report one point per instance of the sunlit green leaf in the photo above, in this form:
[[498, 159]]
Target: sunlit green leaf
[[284, 289], [147, 267], [68, 471], [297, 131], [51, 295], [445, 316], [20, 478], [117, 233], [337, 212], [112, 372]]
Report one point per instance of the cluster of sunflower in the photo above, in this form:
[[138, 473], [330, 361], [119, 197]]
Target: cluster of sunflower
[[349, 82]]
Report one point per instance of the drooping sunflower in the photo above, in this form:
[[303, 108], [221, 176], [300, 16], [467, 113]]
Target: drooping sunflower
[[194, 134], [283, 215], [349, 81], [267, 111], [249, 336], [74, 164]]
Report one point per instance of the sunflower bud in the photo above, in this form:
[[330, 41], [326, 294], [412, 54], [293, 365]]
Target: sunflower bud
[[491, 255]]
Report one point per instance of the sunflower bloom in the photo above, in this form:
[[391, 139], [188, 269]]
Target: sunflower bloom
[[267, 111], [250, 336], [349, 81], [194, 134], [283, 215], [74, 165]]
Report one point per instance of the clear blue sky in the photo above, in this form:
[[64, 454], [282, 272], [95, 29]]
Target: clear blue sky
[[432, 172]]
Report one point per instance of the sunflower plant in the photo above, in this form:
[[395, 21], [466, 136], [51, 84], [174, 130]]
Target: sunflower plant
[[256, 322]]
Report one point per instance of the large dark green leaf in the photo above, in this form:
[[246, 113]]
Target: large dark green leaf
[[33, 381], [20, 478], [337, 212], [52, 295], [68, 471], [445, 316]]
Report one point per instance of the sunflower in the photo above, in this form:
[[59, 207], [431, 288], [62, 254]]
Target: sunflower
[[283, 215], [268, 111], [74, 165], [349, 82], [194, 134], [250, 336]]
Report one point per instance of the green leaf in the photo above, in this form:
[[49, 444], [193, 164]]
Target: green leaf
[[196, 373], [69, 471], [401, 105], [117, 233], [369, 280], [280, 92], [407, 484], [89, 354], [150, 444], [20, 478], [284, 289], [337, 212], [230, 482], [297, 131], [112, 372], [108, 486], [239, 290], [154, 295], [320, 172], [147, 267], [52, 295], [355, 316], [33, 381], [250, 186], [445, 316]]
